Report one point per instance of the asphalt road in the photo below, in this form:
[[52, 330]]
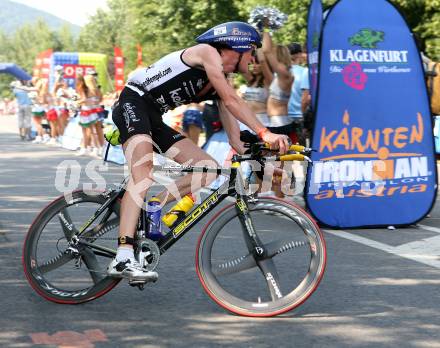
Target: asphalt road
[[380, 289]]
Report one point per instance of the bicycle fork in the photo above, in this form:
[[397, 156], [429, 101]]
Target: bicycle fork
[[253, 243], [256, 248]]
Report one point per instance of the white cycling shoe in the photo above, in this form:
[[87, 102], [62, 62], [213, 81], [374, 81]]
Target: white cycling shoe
[[132, 270]]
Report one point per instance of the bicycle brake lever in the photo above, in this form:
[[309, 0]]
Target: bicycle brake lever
[[307, 159]]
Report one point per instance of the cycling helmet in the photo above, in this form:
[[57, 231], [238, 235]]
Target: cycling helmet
[[239, 36]]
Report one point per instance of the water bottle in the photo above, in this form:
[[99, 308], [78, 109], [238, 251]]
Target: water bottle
[[153, 218], [179, 210]]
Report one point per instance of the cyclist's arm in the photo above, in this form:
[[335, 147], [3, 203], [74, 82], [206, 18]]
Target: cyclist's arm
[[209, 58]]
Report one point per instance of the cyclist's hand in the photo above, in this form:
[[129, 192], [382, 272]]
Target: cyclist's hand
[[278, 172], [276, 141]]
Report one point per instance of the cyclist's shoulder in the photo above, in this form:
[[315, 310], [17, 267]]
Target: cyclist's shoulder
[[199, 55], [201, 51]]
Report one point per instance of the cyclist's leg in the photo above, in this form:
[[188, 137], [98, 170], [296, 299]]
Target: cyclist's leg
[[185, 151], [182, 150], [138, 151], [132, 116]]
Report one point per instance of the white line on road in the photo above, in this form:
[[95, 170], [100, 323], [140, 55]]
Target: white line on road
[[426, 251], [429, 228]]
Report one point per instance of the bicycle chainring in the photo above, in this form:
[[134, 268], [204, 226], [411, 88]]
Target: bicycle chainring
[[147, 253]]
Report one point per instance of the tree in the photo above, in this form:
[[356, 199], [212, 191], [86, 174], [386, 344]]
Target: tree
[[168, 25], [65, 38], [424, 18], [107, 29]]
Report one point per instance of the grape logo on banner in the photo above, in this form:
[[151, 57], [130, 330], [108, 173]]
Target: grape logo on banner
[[354, 76]]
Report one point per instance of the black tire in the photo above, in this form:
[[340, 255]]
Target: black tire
[[51, 271], [234, 280]]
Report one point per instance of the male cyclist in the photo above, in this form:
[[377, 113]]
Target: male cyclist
[[187, 76]]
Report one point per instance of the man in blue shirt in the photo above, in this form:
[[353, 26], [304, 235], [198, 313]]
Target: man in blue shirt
[[300, 83], [24, 112]]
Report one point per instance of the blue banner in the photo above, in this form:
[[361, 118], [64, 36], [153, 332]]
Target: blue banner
[[375, 162], [314, 27]]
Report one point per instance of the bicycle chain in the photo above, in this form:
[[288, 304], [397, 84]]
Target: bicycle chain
[[102, 232], [103, 238]]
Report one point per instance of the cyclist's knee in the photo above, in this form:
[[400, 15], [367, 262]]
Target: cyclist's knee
[[138, 150]]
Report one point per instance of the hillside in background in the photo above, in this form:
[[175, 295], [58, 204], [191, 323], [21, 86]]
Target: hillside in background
[[14, 15]]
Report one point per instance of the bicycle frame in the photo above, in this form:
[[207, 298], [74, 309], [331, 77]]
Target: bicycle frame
[[193, 217]]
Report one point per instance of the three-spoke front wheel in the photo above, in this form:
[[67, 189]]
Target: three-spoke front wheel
[[290, 271], [69, 273]]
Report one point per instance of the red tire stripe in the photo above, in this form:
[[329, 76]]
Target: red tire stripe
[[221, 304], [29, 277]]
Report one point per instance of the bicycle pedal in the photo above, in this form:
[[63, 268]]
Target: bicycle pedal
[[136, 282]]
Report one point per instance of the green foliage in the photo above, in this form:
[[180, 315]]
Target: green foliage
[[23, 46], [107, 29], [167, 25], [162, 26]]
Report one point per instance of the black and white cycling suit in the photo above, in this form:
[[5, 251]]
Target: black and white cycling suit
[[152, 91]]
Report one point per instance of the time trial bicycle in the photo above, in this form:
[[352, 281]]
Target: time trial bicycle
[[257, 256]]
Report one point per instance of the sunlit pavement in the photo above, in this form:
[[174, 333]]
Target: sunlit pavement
[[381, 287]]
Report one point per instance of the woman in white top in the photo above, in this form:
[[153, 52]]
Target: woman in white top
[[256, 92], [279, 61], [94, 100], [87, 116], [278, 58]]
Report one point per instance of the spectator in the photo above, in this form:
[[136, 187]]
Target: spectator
[[59, 95], [39, 111], [94, 100], [192, 123], [299, 90], [278, 58], [51, 113], [24, 112], [87, 116], [279, 61], [211, 119], [255, 93]]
